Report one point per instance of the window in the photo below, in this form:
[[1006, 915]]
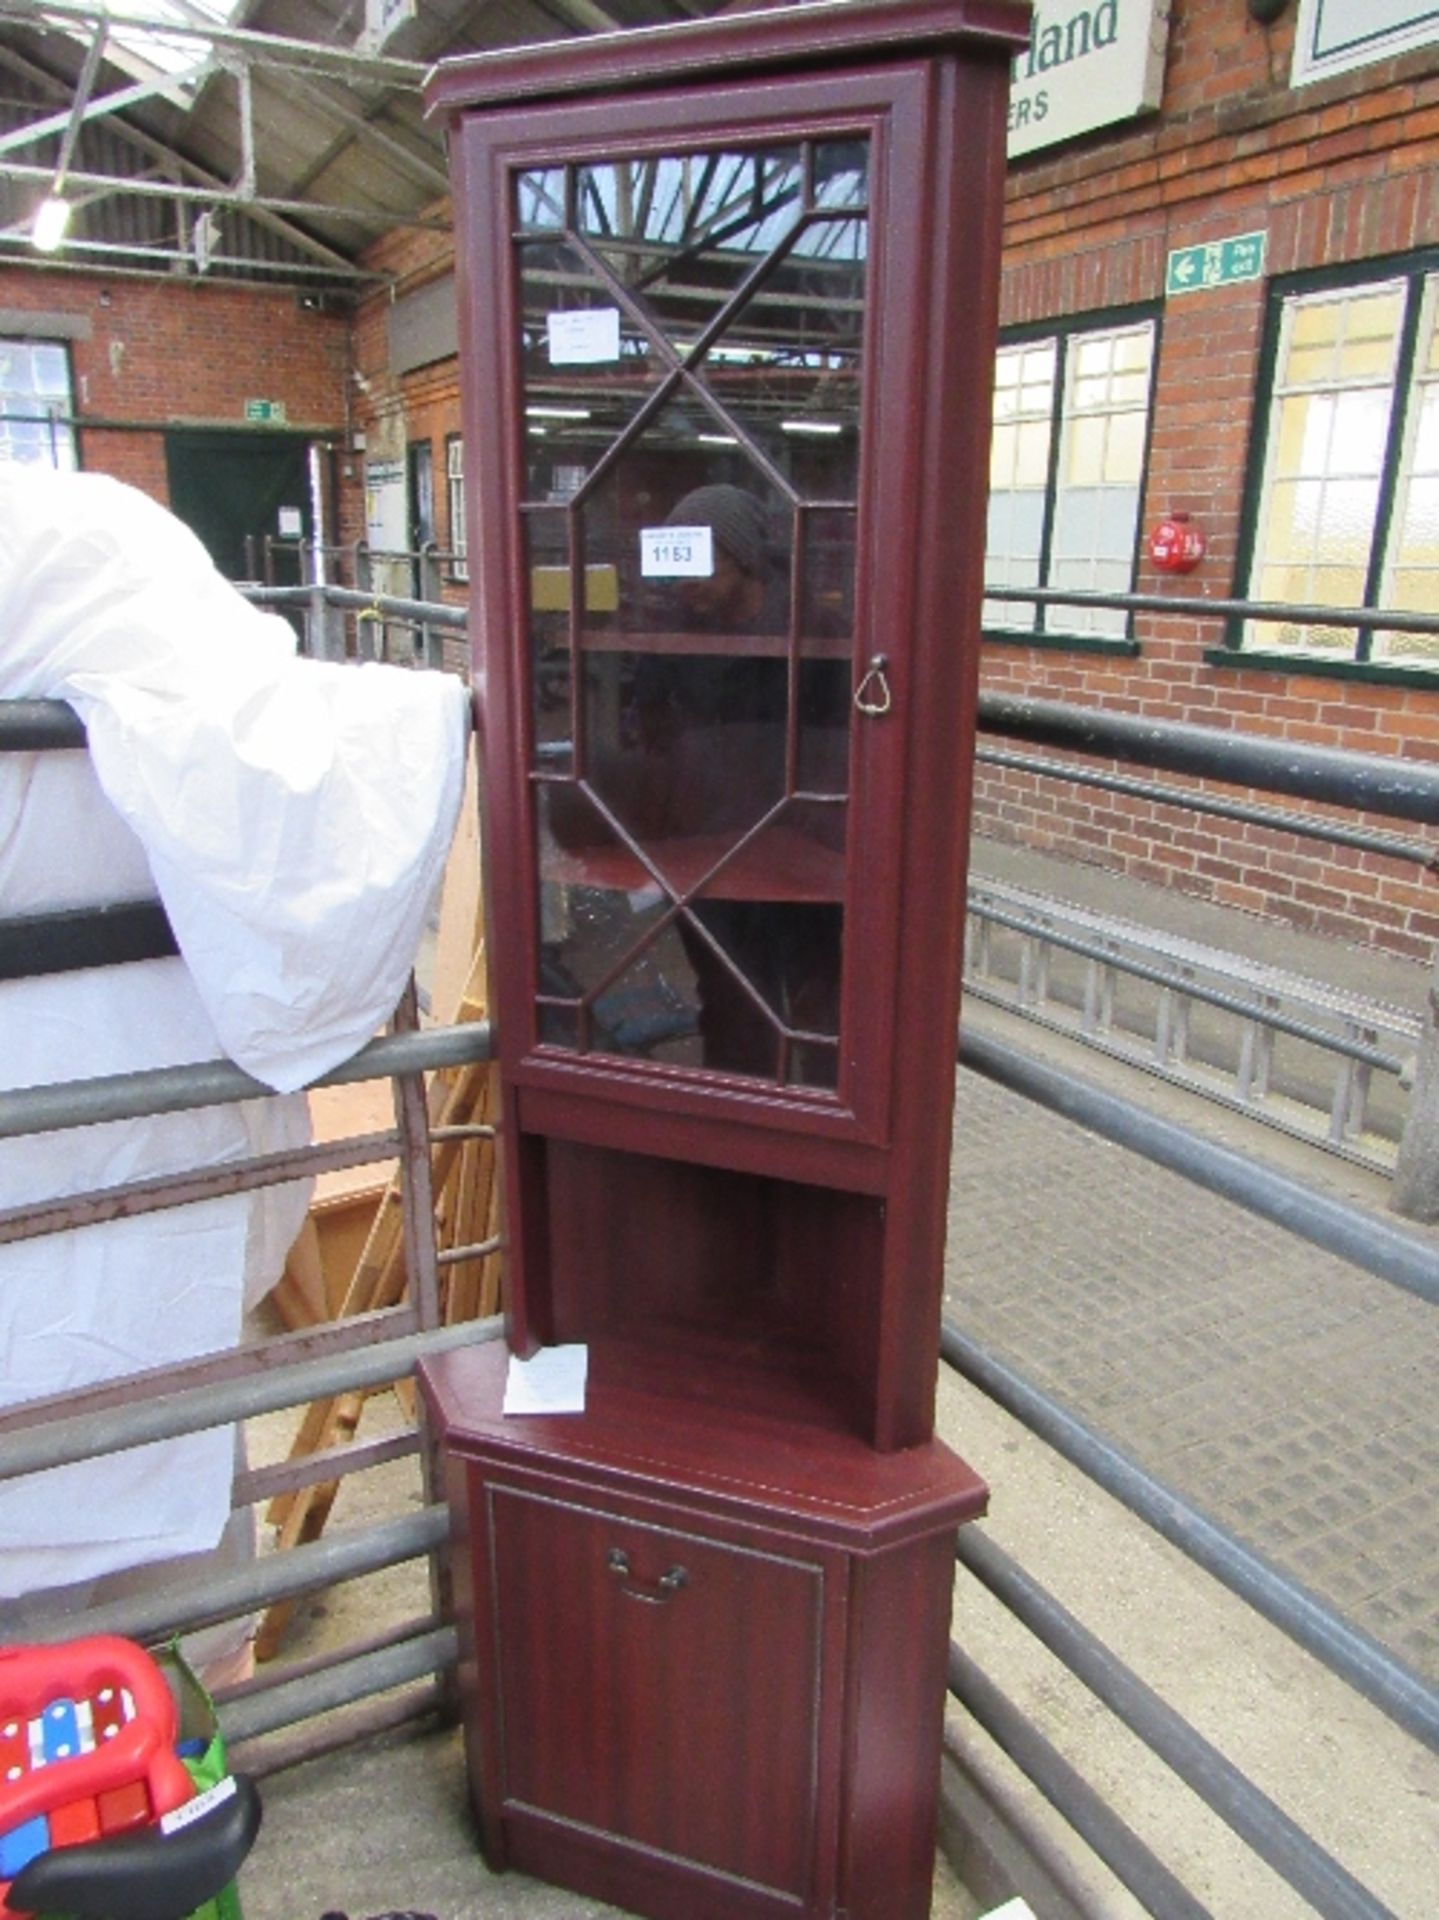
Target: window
[[1348, 500], [455, 492], [35, 403], [1071, 426]]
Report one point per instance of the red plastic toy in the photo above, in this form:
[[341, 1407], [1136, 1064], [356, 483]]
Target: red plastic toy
[[87, 1748]]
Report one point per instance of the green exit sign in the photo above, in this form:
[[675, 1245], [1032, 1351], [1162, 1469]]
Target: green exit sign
[[1218, 263], [270, 413]]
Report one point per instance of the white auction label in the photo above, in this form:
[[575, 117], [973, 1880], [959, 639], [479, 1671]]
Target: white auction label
[[677, 553], [197, 1808], [583, 336]]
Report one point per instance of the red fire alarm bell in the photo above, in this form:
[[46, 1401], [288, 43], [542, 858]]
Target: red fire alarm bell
[[1176, 545]]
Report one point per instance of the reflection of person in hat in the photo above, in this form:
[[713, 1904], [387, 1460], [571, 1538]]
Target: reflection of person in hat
[[744, 593]]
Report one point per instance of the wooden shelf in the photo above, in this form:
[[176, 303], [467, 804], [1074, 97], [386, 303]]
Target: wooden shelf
[[730, 646], [777, 865]]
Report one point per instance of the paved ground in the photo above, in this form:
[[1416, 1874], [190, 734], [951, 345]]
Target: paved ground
[[1289, 1394]]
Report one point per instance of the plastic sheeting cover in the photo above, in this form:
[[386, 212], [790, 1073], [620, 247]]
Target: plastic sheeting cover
[[294, 818]]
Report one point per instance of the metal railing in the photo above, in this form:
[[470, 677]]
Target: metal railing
[[417, 1655], [362, 602], [260, 1376]]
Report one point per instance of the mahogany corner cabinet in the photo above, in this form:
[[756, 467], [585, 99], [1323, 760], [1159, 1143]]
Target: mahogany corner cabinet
[[727, 298]]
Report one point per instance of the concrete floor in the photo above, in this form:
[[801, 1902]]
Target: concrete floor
[[385, 1830]]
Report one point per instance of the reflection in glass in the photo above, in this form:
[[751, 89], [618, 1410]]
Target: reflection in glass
[[812, 1064], [548, 574], [586, 367], [692, 350]]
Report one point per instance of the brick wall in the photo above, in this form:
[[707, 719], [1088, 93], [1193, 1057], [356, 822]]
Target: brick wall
[[160, 353], [1341, 172]]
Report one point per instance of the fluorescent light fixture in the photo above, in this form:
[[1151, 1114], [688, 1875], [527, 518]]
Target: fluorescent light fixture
[[717, 439], [538, 432], [829, 428], [558, 413], [51, 220]]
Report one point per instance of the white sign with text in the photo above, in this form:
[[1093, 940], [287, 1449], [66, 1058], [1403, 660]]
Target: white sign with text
[[1088, 64], [584, 336]]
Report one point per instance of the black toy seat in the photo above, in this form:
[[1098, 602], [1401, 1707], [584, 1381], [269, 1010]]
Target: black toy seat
[[148, 1874]]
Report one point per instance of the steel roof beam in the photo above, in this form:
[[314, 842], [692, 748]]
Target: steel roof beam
[[420, 169], [84, 87], [243, 265], [222, 196], [342, 61], [108, 103]]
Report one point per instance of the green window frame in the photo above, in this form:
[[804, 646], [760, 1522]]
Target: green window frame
[[36, 425], [1069, 452], [455, 506], [1342, 502]]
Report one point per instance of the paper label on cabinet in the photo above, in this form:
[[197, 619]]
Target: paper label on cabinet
[[552, 1381], [677, 553], [584, 336]]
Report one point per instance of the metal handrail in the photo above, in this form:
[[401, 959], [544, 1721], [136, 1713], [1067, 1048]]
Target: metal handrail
[[1312, 1871], [1301, 613]]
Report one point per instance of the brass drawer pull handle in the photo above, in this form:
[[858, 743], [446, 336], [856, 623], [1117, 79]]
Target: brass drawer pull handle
[[872, 695], [665, 1588]]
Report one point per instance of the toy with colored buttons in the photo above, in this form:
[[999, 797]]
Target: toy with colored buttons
[[87, 1748]]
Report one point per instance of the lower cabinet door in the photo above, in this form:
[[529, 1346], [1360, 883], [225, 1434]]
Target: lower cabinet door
[[659, 1688]]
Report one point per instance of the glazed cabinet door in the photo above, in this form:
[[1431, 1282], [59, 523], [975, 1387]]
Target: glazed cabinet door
[[697, 651], [660, 1695]]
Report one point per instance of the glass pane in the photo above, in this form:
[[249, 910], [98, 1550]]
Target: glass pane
[[1371, 334], [1302, 429], [1124, 449], [841, 174], [772, 923], [1419, 534], [692, 462], [540, 199], [1361, 428], [738, 579], [52, 372], [1085, 465], [612, 976], [728, 942], [587, 367], [827, 608], [1315, 323], [1037, 377], [1346, 523], [812, 1064], [547, 551]]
